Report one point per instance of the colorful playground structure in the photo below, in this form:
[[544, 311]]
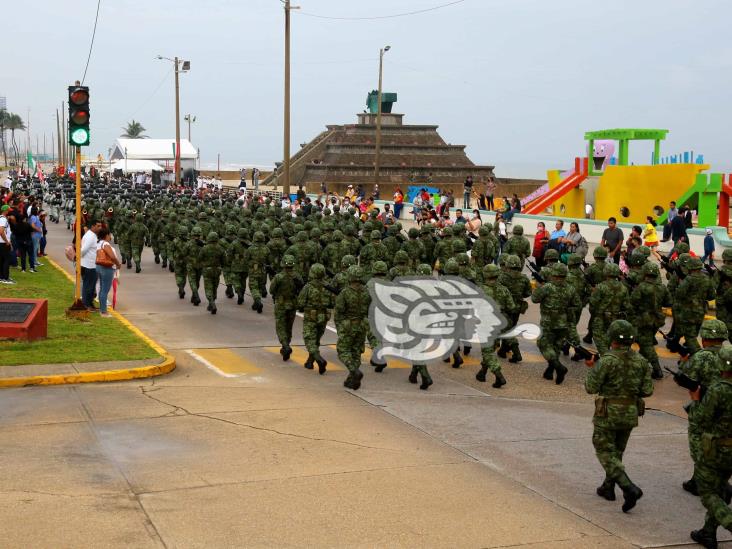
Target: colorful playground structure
[[602, 186]]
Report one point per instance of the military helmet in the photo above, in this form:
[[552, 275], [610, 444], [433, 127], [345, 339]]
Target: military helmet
[[560, 269], [694, 264], [462, 259], [447, 231], [612, 271], [425, 229], [302, 236], [503, 260], [459, 246], [242, 233], [518, 230], [375, 235], [277, 232], [288, 261], [355, 274], [424, 270], [713, 329], [326, 211], [413, 232], [337, 236], [348, 260], [725, 357], [643, 250], [315, 233], [258, 237], [201, 216], [197, 231], [551, 255], [682, 248], [651, 269], [317, 271], [213, 236], [599, 252], [183, 230], [574, 259], [452, 267], [621, 331], [727, 255], [513, 262], [491, 271], [380, 268], [401, 257], [636, 260], [484, 230]]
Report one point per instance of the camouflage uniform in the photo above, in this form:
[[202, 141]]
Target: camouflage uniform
[[428, 243], [485, 249], [518, 245], [258, 260], [443, 250], [595, 275], [315, 303], [138, 238], [372, 252], [226, 243], [714, 468], [155, 227], [690, 304], [414, 248], [493, 289], [576, 279], [180, 249], [333, 253], [168, 235], [723, 287], [238, 261], [352, 308], [122, 238], [193, 263], [621, 379], [160, 231], [299, 251], [520, 288], [379, 270], [608, 303], [285, 288], [421, 369], [401, 266], [277, 247], [646, 302], [212, 258], [553, 298]]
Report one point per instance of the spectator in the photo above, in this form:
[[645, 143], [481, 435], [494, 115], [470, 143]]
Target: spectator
[[417, 206], [21, 231], [650, 237], [467, 191], [377, 193], [459, 219], [633, 240], [672, 211], [501, 232], [107, 263], [475, 222], [612, 240], [555, 238], [572, 242], [489, 193], [5, 246], [42, 251], [255, 178], [708, 248], [688, 220], [323, 188], [398, 202], [360, 191], [301, 193], [36, 235], [89, 265], [350, 193], [678, 228], [540, 239]]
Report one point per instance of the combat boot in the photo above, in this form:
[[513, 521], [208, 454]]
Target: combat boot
[[503, 350], [377, 367], [348, 383], [467, 349], [321, 364], [631, 495], [229, 291], [516, 356], [286, 353], [164, 263], [607, 489], [309, 362], [413, 375], [549, 372], [138, 269], [500, 381], [213, 309], [195, 299], [690, 486], [576, 357], [657, 373], [588, 338], [356, 383], [259, 307], [705, 538], [240, 299], [171, 267], [457, 359], [561, 372], [181, 293], [426, 382], [129, 263], [480, 376], [565, 349], [157, 260]]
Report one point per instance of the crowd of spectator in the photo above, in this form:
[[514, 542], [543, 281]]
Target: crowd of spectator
[[22, 233]]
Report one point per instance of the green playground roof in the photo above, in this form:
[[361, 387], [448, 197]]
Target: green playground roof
[[627, 133]]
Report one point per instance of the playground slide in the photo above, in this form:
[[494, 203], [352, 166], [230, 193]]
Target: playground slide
[[536, 207]]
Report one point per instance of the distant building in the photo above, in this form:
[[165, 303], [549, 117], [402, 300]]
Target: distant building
[[3, 103]]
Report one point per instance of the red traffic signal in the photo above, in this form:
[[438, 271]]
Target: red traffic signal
[[80, 117], [79, 96]]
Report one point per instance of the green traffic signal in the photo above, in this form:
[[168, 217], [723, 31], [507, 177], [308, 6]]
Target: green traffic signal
[[79, 116], [79, 137]]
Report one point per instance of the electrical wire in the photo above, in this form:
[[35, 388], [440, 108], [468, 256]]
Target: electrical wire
[[433, 8], [91, 46], [146, 101]]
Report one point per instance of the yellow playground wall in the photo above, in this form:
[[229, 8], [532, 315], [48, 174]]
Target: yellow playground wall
[[641, 189], [571, 204]]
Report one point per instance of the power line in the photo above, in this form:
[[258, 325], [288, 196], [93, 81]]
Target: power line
[[433, 8], [146, 101], [94, 33]]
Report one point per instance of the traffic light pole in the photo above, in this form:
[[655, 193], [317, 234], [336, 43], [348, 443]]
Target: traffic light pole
[[77, 293]]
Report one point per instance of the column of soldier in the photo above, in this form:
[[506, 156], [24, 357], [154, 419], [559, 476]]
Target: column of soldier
[[320, 264]]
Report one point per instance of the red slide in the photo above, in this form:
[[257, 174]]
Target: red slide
[[538, 205]]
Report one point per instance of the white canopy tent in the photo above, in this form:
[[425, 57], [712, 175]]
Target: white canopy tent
[[134, 166], [158, 150]]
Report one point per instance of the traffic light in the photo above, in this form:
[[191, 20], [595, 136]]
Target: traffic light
[[79, 116]]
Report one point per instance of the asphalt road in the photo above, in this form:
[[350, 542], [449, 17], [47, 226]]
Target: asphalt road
[[237, 448]]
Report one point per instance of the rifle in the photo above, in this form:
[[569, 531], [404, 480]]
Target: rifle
[[710, 269], [585, 353], [682, 380], [535, 273], [674, 346]]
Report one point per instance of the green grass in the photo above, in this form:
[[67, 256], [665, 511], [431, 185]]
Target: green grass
[[99, 340]]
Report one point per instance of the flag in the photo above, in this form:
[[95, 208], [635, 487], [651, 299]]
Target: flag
[[31, 163]]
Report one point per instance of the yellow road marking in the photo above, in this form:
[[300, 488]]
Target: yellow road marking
[[226, 362], [300, 355], [392, 362]]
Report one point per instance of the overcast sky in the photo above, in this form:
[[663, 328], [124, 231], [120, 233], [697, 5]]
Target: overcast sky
[[517, 81]]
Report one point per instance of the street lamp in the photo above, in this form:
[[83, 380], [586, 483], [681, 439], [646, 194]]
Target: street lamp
[[286, 159], [377, 163], [180, 66], [189, 118]]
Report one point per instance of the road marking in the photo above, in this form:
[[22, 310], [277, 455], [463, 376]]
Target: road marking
[[392, 362], [327, 326], [300, 355], [225, 362]]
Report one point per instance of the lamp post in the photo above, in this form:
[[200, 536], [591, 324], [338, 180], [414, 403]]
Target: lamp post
[[180, 66], [377, 162], [189, 118], [286, 152]]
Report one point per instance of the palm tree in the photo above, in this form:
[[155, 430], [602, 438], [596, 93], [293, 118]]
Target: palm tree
[[134, 130], [3, 123], [12, 123]]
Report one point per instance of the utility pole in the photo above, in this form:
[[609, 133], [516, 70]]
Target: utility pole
[[59, 158], [377, 163], [177, 126], [286, 152]]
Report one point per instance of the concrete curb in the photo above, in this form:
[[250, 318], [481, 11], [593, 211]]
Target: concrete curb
[[168, 364]]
